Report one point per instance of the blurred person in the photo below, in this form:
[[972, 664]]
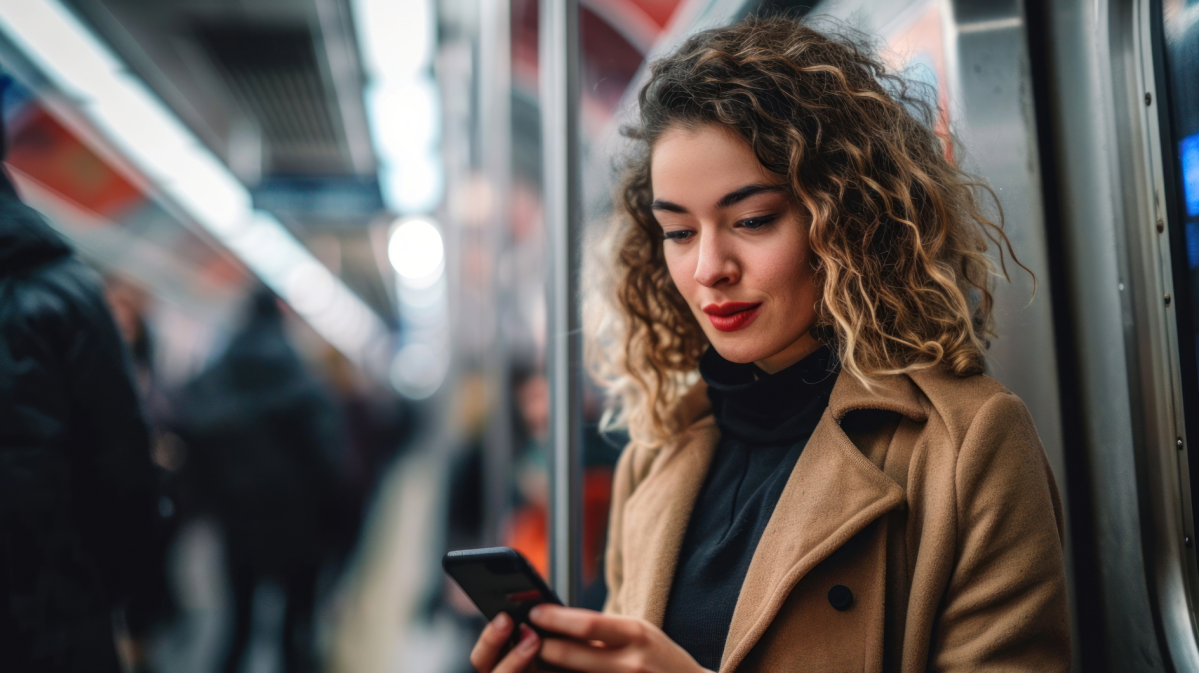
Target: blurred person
[[130, 303], [152, 602], [527, 530], [261, 435], [465, 487], [465, 499], [377, 426], [77, 501], [820, 474]]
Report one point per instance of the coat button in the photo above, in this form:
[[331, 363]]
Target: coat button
[[840, 597]]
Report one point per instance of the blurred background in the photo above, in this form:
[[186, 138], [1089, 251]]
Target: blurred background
[[323, 216], [320, 226]]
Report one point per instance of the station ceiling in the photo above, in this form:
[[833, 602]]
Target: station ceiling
[[275, 89]]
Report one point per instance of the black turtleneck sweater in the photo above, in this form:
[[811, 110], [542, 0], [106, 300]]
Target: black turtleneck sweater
[[765, 421]]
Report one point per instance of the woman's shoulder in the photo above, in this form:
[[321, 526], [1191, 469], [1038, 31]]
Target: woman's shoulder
[[981, 445], [935, 397], [691, 416], [958, 403]]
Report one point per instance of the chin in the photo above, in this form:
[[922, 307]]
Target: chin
[[742, 353]]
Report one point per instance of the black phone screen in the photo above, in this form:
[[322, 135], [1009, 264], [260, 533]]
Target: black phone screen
[[498, 580]]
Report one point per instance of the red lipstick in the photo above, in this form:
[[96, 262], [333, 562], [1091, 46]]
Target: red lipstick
[[733, 315]]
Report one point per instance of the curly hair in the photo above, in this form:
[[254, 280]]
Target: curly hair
[[897, 231]]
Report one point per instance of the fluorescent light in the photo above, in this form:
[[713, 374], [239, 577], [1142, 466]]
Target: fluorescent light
[[312, 287], [65, 51], [269, 249], [401, 99], [416, 251], [405, 116], [347, 323], [210, 193], [137, 122], [396, 36], [416, 184]]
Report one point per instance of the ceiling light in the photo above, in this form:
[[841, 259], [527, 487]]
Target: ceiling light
[[416, 251]]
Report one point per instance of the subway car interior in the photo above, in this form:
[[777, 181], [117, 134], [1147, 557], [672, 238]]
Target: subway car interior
[[346, 247]]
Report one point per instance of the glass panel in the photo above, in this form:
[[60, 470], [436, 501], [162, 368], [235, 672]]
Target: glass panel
[[1180, 146]]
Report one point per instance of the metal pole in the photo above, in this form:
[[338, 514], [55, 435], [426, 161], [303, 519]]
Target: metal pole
[[559, 66], [495, 159]]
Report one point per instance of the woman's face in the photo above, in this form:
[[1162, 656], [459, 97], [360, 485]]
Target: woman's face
[[736, 247]]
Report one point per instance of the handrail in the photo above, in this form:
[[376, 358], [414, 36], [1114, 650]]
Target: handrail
[[560, 92]]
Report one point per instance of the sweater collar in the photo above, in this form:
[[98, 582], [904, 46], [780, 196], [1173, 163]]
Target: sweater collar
[[757, 408], [892, 392]]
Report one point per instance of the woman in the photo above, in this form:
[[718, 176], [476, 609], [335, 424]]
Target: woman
[[843, 489]]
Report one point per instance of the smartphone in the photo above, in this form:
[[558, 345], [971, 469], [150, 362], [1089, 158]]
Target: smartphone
[[499, 579]]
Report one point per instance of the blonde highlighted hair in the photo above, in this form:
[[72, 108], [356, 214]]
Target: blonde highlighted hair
[[898, 235]]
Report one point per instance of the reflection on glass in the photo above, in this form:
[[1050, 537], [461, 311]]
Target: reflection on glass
[[1180, 145]]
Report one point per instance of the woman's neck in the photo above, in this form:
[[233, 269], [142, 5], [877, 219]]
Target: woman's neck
[[800, 349]]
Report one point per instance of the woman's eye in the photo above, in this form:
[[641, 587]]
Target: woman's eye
[[678, 235], [757, 222]]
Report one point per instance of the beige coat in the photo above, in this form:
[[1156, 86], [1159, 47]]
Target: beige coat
[[945, 526]]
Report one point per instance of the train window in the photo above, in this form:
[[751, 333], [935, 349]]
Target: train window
[[1180, 144]]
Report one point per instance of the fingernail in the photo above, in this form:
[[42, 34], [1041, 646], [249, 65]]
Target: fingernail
[[528, 642], [536, 612], [502, 621]]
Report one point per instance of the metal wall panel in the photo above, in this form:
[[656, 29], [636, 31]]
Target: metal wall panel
[[1091, 58]]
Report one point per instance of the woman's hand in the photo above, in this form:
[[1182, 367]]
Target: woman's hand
[[597, 643], [491, 643]]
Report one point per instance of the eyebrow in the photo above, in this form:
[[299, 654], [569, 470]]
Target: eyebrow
[[733, 197]]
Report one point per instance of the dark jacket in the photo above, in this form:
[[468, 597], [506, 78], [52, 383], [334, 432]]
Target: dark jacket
[[262, 441], [77, 505]]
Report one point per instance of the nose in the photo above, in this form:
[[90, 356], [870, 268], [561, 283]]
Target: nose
[[715, 264]]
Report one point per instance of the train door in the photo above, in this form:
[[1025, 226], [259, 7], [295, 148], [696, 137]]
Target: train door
[[1117, 111], [1169, 59]]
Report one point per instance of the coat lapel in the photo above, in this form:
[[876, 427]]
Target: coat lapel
[[656, 520], [833, 493]]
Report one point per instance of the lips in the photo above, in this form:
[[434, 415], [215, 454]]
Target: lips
[[733, 315]]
